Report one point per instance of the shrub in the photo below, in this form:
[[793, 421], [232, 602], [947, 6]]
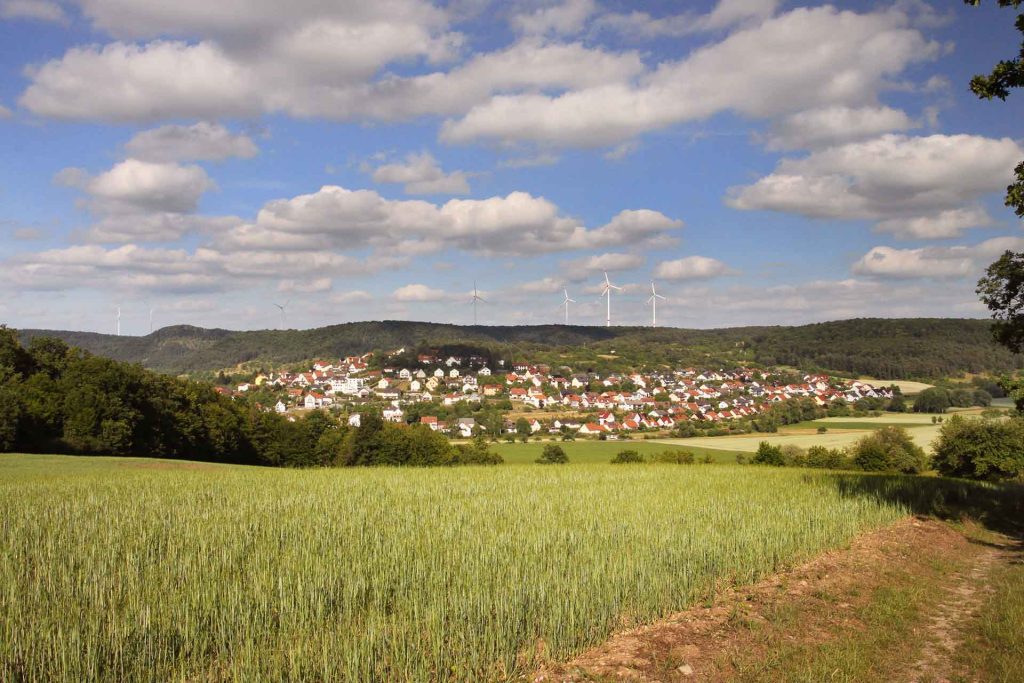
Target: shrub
[[980, 449], [827, 458], [768, 454], [822, 429], [552, 455], [680, 457], [890, 450], [793, 455], [627, 456]]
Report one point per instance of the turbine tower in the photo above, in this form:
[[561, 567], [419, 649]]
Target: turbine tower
[[476, 297], [606, 291], [118, 328], [151, 321], [653, 301], [282, 307], [566, 303]]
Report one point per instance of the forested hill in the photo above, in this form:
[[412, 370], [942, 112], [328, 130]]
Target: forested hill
[[925, 348]]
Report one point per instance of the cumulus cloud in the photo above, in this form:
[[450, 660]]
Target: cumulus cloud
[[691, 268], [421, 174], [934, 262], [566, 17], [5, 113], [829, 126], [144, 201], [950, 223], [611, 262], [889, 178], [855, 57], [418, 293], [202, 141], [545, 285], [313, 286], [351, 297], [517, 223], [39, 10], [727, 13]]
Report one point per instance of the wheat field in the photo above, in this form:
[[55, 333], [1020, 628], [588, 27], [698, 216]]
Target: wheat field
[[131, 570]]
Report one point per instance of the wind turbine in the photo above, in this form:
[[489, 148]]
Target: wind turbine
[[653, 301], [282, 307], [476, 297], [606, 291], [117, 327], [151, 321], [566, 303]]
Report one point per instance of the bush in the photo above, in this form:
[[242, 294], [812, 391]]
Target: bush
[[681, 457], [768, 454], [822, 429], [627, 456], [890, 450], [827, 458], [934, 400], [793, 456], [980, 449], [552, 455]]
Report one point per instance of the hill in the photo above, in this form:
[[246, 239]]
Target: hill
[[911, 348]]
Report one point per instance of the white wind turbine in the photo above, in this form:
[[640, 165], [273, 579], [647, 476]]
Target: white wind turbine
[[606, 291], [476, 298], [151, 321], [118, 326], [653, 301], [566, 303], [282, 307]]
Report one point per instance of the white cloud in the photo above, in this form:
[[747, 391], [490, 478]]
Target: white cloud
[[351, 297], [934, 262], [949, 223], [691, 268], [727, 13], [542, 159], [419, 293], [517, 223], [889, 178], [421, 174], [316, 285], [567, 17], [829, 126], [5, 113], [611, 262], [40, 10], [202, 141], [545, 285], [764, 71]]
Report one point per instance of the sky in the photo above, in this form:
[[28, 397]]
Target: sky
[[760, 161]]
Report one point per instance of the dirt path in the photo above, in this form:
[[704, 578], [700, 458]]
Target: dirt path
[[890, 607]]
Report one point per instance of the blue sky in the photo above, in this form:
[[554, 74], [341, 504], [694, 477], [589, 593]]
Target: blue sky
[[763, 162]]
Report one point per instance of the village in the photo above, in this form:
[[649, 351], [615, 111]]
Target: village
[[444, 393]]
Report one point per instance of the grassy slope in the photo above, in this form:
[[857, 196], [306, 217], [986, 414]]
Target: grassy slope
[[598, 452]]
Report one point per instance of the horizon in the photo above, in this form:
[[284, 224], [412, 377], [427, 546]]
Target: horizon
[[764, 162]]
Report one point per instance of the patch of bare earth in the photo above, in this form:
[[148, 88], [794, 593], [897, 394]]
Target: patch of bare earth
[[813, 603]]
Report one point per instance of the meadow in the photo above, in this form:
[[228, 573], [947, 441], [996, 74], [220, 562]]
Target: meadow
[[120, 569], [590, 452]]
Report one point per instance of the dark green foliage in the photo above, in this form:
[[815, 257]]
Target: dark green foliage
[[888, 349], [980, 449], [768, 454], [933, 400], [890, 449], [476, 452], [1002, 290], [553, 455], [627, 456], [826, 458], [1006, 75]]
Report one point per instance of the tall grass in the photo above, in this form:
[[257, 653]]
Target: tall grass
[[112, 571]]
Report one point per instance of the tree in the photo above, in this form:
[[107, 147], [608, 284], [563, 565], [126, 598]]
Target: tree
[[523, 427], [890, 449], [627, 456], [932, 400], [768, 454], [980, 449], [552, 455], [1007, 74]]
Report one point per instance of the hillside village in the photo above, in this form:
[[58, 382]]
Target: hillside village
[[552, 402]]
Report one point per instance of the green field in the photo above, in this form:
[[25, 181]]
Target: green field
[[586, 452], [923, 435], [129, 570]]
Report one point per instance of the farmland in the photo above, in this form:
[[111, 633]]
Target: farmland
[[130, 569]]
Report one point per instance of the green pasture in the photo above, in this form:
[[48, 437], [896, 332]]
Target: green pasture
[[587, 452]]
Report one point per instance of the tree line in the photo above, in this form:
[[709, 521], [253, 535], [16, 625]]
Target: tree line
[[55, 398]]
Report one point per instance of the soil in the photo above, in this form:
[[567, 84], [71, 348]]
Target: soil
[[815, 602]]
